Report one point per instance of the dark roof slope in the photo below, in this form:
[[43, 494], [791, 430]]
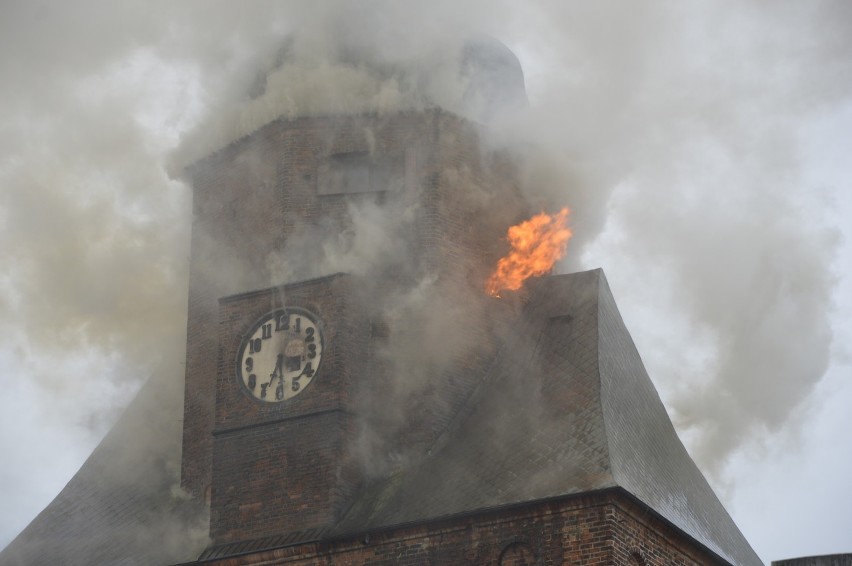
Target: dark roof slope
[[123, 507], [565, 408], [646, 455]]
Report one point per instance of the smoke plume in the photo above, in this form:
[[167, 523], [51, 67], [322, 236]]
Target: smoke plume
[[670, 130]]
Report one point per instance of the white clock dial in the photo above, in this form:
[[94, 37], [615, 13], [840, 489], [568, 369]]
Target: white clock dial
[[280, 356]]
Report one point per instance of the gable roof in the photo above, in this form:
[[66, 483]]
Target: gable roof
[[579, 414]]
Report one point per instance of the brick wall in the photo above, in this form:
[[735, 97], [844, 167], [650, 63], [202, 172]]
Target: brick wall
[[467, 197], [280, 467], [232, 218], [250, 201], [602, 528]]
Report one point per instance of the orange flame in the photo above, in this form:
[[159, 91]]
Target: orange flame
[[536, 244]]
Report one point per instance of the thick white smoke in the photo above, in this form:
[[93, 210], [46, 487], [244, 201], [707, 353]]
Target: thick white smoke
[[671, 130]]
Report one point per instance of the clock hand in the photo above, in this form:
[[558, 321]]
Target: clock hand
[[277, 371]]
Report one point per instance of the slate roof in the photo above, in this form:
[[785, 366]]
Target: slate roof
[[579, 414], [122, 507], [566, 407]]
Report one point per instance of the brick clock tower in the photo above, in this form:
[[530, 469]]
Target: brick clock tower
[[352, 394], [278, 371]]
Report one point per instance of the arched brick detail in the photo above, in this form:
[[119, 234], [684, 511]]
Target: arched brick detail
[[637, 557]]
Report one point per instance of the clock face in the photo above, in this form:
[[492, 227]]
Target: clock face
[[280, 356]]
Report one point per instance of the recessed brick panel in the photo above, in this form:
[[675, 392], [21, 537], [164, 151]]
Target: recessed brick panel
[[279, 477]]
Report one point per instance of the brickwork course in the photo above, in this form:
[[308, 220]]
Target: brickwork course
[[537, 437]]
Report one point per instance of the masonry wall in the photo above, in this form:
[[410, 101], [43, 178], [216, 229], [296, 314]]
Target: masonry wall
[[258, 195], [604, 528], [287, 466], [233, 215]]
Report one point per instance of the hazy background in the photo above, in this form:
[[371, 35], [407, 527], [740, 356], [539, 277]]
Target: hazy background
[[702, 148]]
